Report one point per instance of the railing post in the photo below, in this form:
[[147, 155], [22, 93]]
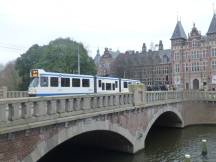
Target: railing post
[[52, 107], [69, 106], [100, 101], [61, 106], [138, 91], [27, 109], [111, 100], [14, 111], [4, 89], [3, 112], [40, 108], [86, 103]]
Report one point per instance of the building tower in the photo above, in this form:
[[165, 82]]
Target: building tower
[[97, 58], [143, 48], [212, 28], [160, 45], [178, 41], [211, 38]]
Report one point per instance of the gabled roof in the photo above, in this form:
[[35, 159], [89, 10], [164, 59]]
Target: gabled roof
[[179, 32], [212, 27]]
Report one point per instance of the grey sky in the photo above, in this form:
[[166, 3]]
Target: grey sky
[[116, 24]]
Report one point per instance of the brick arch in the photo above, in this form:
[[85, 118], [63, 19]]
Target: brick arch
[[157, 115], [65, 134]]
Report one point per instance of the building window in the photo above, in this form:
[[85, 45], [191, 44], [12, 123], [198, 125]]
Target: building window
[[193, 66], [177, 68], [204, 66], [177, 56], [186, 67], [213, 52], [194, 55], [214, 65], [194, 43]]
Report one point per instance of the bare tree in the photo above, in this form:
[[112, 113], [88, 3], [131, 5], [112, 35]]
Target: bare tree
[[9, 77]]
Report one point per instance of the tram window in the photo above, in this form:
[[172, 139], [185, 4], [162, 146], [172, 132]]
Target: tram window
[[108, 86], [99, 83], [85, 82], [76, 82], [65, 82], [113, 86], [103, 86], [54, 81], [116, 84], [34, 82], [44, 81], [125, 84]]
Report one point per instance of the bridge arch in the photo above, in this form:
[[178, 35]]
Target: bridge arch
[[173, 116], [68, 133]]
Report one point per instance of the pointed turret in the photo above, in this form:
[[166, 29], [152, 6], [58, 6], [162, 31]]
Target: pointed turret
[[179, 32], [212, 27], [97, 58], [160, 45]]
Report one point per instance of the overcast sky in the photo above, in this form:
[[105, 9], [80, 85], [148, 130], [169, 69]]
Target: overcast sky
[[117, 24]]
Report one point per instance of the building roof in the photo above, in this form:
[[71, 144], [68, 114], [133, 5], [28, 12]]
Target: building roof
[[179, 32], [212, 27]]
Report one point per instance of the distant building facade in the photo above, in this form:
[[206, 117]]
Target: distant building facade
[[104, 62], [194, 57], [155, 69]]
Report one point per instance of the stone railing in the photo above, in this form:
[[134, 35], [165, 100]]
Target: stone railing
[[4, 93], [179, 96], [205, 96], [24, 113], [17, 94], [158, 97]]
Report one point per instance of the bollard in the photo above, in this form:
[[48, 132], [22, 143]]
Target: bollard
[[204, 147], [187, 158]]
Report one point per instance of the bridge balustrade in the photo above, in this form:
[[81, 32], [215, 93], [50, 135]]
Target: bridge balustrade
[[17, 94], [163, 96], [27, 111], [24, 111]]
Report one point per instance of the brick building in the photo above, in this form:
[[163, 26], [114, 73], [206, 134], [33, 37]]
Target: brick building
[[155, 68], [194, 57], [104, 62]]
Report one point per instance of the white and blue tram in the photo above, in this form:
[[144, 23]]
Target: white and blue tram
[[50, 83]]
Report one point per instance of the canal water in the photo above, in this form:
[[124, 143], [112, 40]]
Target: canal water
[[162, 145]]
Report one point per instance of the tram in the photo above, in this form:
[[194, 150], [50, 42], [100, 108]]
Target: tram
[[51, 83]]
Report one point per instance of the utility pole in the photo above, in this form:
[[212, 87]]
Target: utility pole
[[78, 57]]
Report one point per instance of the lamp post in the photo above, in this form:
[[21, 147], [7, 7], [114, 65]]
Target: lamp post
[[78, 60]]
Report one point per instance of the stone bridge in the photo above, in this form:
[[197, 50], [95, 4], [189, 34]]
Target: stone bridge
[[31, 127]]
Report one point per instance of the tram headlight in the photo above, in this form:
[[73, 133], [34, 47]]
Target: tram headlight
[[32, 91]]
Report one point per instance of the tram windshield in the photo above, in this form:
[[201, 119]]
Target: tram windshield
[[34, 82]]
